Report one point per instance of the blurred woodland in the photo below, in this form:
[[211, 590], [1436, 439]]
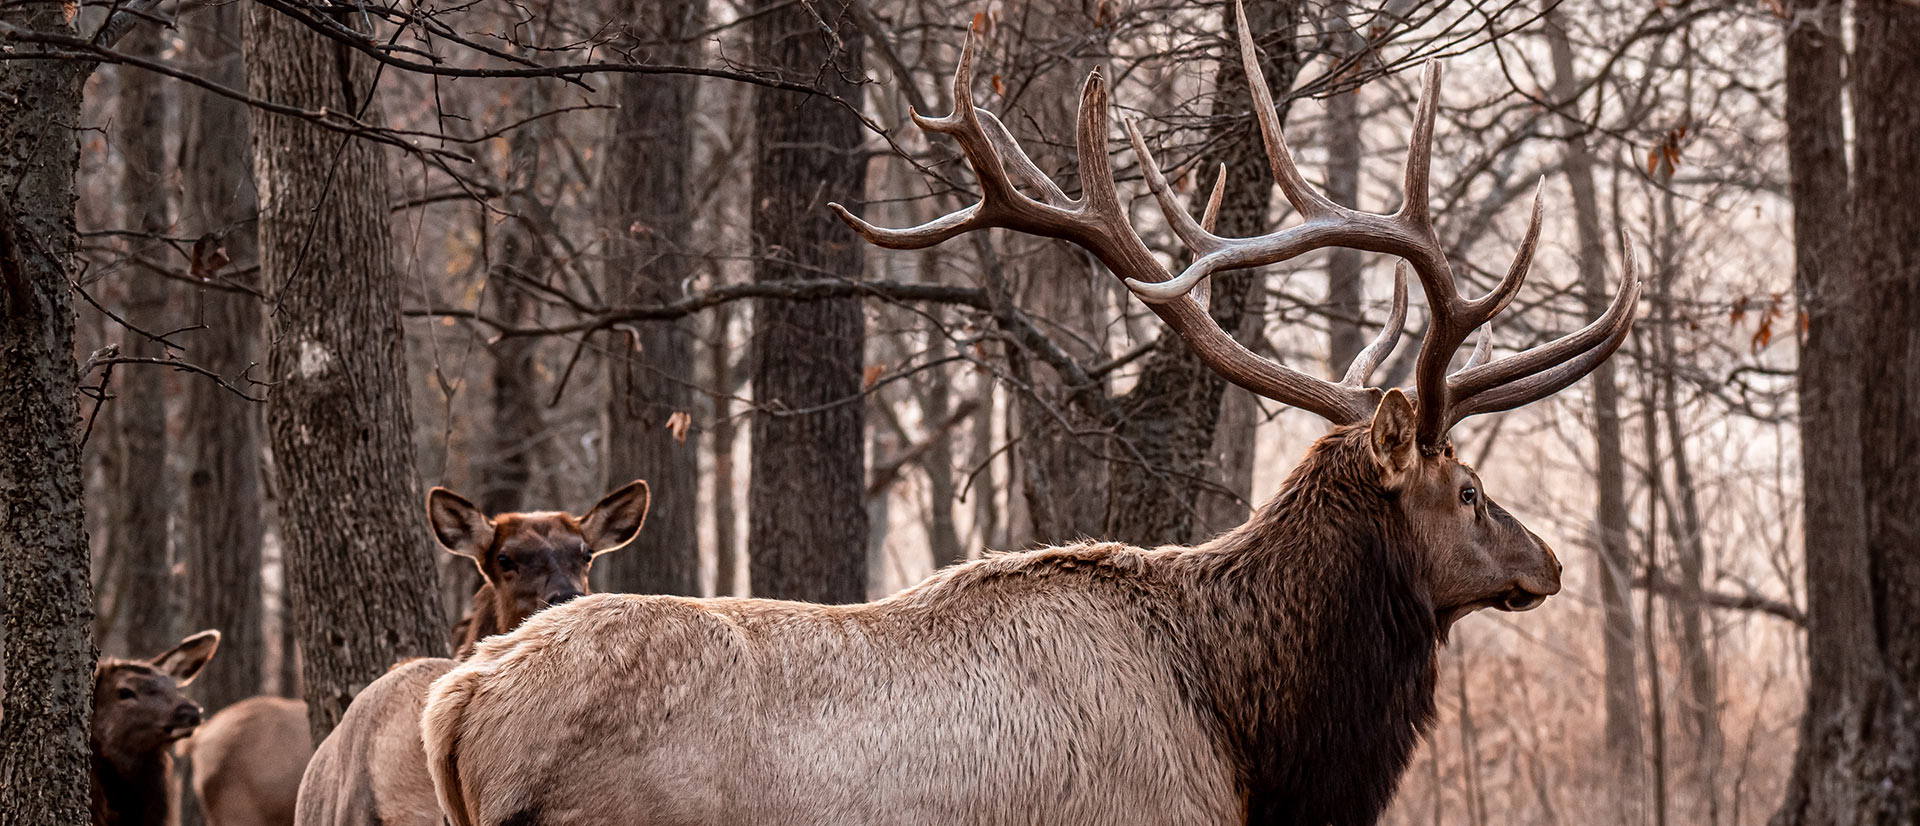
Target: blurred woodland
[[273, 268]]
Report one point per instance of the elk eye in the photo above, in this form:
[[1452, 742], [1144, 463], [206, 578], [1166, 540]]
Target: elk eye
[[126, 694], [505, 562], [1468, 496]]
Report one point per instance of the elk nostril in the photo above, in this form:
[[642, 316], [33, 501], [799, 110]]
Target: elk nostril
[[564, 598]]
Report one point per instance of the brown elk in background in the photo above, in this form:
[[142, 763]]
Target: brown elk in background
[[1280, 673], [139, 712], [249, 760], [371, 770]]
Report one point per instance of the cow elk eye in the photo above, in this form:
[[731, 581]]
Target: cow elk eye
[[126, 694], [505, 562], [1468, 496]]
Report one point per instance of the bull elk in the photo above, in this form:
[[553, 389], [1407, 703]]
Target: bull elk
[[1279, 673], [139, 712], [371, 771]]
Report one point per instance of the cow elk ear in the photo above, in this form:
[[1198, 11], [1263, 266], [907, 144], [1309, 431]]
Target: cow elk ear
[[460, 527], [1392, 438], [184, 661], [616, 520]]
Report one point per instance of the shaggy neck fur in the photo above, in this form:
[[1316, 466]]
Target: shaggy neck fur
[[1311, 642], [128, 789], [484, 619]]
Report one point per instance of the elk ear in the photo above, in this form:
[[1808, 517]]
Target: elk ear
[[1392, 437], [460, 527], [616, 520], [184, 661]]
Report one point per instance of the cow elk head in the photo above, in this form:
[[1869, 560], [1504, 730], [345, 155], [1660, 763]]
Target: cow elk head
[[537, 559], [1474, 554], [138, 706]]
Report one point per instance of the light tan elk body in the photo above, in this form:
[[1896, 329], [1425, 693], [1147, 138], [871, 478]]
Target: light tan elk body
[[254, 764], [1280, 673], [139, 712]]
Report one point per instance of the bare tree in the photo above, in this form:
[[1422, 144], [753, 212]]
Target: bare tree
[[647, 222], [46, 654], [224, 519], [142, 497], [806, 496], [1624, 741], [1855, 273], [1166, 423], [359, 562]]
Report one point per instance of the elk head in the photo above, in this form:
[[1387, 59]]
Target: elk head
[[534, 560], [1473, 554], [138, 707]]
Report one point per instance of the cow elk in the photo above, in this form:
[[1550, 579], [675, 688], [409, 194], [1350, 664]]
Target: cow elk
[[139, 712], [371, 770], [1279, 673]]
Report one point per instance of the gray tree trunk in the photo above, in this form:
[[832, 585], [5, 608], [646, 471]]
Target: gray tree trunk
[[141, 498], [1856, 272], [1622, 681], [518, 258], [359, 562], [647, 220], [1166, 428], [225, 521], [726, 542], [48, 652], [806, 509]]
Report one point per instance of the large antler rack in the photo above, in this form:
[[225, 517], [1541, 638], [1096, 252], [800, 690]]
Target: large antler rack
[[1097, 223]]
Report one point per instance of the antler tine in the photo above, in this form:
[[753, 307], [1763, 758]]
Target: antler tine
[[1482, 347], [1361, 371], [1544, 370], [1198, 237], [1415, 209], [1304, 199]]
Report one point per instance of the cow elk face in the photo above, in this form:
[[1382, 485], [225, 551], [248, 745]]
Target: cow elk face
[[1474, 554], [540, 559], [138, 706]]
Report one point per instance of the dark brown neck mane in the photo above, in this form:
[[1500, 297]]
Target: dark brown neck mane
[[132, 790], [1312, 642], [483, 620]]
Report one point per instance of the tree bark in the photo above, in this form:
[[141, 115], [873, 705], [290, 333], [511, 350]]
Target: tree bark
[[1061, 455], [647, 221], [1855, 275], [520, 258], [142, 496], [807, 522], [359, 563], [1166, 428], [726, 544], [48, 653], [1623, 728], [225, 520]]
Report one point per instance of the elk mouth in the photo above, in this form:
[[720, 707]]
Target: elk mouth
[[1519, 599]]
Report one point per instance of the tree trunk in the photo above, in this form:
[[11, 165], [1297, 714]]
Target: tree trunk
[[1166, 427], [647, 221], [1344, 288], [1061, 455], [1856, 281], [359, 563], [48, 653], [726, 544], [142, 497], [807, 522], [225, 522], [519, 259], [1623, 730]]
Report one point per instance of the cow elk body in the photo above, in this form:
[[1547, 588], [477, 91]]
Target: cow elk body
[[1279, 673], [139, 712], [371, 770]]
